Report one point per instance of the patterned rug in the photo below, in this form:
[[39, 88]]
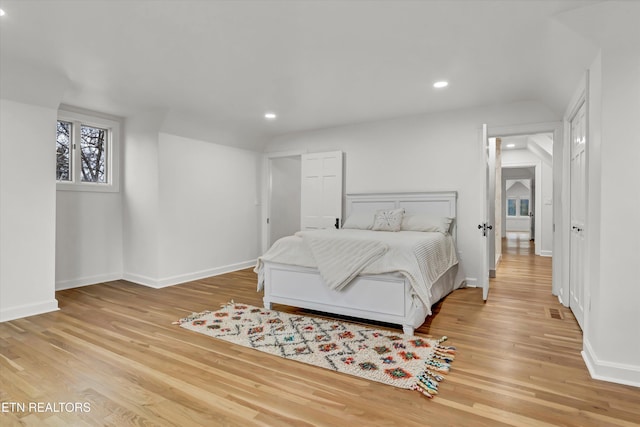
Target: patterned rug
[[403, 361]]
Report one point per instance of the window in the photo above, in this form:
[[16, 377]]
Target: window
[[511, 207], [517, 206], [86, 152], [524, 207]]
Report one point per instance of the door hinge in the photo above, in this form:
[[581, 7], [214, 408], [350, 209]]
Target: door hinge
[[267, 220]]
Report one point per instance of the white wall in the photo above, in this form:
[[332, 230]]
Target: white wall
[[520, 191], [191, 207], [88, 238], [27, 209], [140, 198], [430, 152], [209, 208], [612, 318]]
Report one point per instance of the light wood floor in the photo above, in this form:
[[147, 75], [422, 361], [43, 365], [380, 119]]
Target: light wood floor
[[113, 347]]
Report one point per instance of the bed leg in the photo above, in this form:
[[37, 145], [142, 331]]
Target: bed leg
[[408, 330]]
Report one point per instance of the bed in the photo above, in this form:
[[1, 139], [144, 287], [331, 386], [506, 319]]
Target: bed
[[295, 272]]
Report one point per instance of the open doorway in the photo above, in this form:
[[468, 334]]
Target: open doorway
[[527, 188], [283, 217], [547, 153]]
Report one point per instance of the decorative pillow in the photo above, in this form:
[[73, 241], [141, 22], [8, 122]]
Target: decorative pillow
[[359, 221], [426, 222], [388, 220]]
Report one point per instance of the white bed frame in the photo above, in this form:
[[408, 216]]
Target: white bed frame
[[383, 298]]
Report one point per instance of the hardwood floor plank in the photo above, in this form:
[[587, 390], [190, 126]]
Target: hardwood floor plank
[[113, 346]]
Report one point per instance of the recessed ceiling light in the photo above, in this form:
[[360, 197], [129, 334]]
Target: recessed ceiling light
[[2, 12], [511, 145], [440, 84], [270, 116]]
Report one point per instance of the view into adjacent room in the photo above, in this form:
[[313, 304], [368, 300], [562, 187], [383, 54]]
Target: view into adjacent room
[[524, 195]]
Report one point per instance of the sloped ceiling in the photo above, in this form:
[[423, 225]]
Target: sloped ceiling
[[223, 64]]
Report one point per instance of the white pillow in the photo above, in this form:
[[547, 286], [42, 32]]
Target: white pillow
[[426, 222], [359, 221], [388, 220]]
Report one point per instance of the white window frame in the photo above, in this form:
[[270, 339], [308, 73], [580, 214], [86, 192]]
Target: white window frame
[[88, 118], [517, 200]]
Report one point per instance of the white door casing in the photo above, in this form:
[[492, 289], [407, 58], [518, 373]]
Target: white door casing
[[577, 242], [486, 226], [321, 190]]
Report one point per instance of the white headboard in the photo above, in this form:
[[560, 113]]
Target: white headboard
[[441, 203]]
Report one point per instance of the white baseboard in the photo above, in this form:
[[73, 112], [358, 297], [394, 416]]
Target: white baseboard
[[139, 279], [546, 253], [610, 371], [187, 277], [471, 282], [84, 281], [18, 312]]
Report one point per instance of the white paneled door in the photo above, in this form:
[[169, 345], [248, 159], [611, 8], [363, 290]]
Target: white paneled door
[[321, 193], [577, 246]]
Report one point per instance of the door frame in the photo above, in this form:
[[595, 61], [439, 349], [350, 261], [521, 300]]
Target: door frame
[[560, 216], [580, 97]]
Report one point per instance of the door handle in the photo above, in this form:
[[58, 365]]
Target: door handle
[[484, 227]]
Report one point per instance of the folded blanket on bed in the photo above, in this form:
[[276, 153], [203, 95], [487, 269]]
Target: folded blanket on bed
[[339, 260]]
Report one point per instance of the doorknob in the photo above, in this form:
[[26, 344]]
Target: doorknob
[[484, 227]]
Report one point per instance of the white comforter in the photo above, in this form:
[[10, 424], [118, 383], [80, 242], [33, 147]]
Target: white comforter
[[422, 257]]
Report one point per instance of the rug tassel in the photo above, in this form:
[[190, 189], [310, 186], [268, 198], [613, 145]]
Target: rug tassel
[[433, 375], [437, 366], [191, 318], [439, 363], [422, 391], [446, 359], [428, 382]]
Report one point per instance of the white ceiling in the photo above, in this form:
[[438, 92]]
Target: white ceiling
[[316, 64]]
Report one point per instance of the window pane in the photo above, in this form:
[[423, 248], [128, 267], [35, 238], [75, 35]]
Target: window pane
[[93, 150], [524, 207], [63, 151], [511, 207]]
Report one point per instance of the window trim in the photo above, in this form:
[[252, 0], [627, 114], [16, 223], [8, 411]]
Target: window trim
[[89, 118]]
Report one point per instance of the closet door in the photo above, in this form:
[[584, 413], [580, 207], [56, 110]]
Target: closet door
[[578, 206], [321, 192]]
